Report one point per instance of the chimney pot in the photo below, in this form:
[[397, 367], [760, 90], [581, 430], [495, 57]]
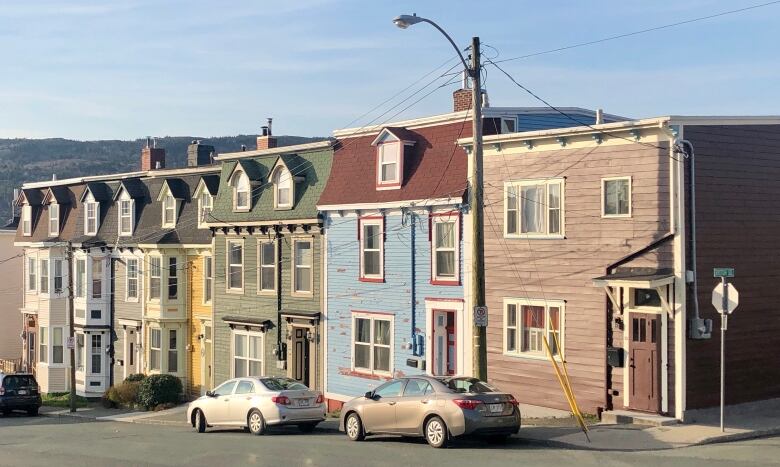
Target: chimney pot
[[599, 116], [266, 140]]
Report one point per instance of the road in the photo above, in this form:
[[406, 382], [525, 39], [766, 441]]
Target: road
[[47, 441]]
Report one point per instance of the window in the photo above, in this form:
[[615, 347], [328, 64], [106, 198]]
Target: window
[[95, 314], [247, 354], [44, 276], [225, 389], [245, 387], [208, 278], [97, 277], [205, 203], [283, 188], [235, 265], [372, 242], [173, 352], [371, 338], [173, 279], [417, 388], [27, 220], [508, 125], [390, 389], [96, 352], [155, 349], [616, 197], [57, 351], [647, 298], [169, 211], [43, 344], [445, 248], [57, 276], [81, 313], [81, 277], [534, 208], [131, 290], [32, 277], [54, 220], [389, 164], [302, 272], [267, 261], [155, 273], [528, 322], [126, 217], [241, 193], [91, 218], [80, 352]]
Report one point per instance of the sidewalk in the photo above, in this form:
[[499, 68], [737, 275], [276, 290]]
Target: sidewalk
[[174, 417]]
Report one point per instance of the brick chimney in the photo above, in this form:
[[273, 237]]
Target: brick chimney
[[152, 157], [199, 154], [461, 100], [266, 140]]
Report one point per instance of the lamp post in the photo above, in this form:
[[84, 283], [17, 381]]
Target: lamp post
[[475, 191]]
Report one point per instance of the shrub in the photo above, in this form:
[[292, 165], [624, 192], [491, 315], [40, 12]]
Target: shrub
[[159, 389], [110, 399], [124, 394], [136, 377]]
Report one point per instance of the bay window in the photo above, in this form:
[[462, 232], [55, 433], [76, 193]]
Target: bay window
[[32, 276], [372, 337], [208, 278], [533, 208], [372, 249], [81, 277], [247, 353], [96, 353], [155, 276], [173, 352], [57, 276], [173, 279], [44, 276], [97, 277], [155, 349], [528, 323], [43, 344], [57, 350]]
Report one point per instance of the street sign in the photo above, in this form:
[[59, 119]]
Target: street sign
[[723, 272], [71, 342], [480, 316], [725, 297]]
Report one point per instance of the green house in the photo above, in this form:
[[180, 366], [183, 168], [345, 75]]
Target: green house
[[268, 263]]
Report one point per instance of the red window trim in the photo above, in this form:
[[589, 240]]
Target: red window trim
[[433, 280], [361, 278], [401, 148]]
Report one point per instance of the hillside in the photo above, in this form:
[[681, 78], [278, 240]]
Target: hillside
[[33, 160]]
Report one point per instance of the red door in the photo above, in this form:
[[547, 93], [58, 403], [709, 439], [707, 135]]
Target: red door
[[644, 362]]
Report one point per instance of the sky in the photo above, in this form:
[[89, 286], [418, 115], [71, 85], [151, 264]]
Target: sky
[[87, 70]]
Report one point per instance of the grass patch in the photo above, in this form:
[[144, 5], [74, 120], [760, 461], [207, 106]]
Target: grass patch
[[62, 399]]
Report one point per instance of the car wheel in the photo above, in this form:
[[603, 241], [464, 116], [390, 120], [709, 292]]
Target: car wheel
[[200, 421], [436, 432], [307, 427], [32, 411], [256, 422], [354, 428]]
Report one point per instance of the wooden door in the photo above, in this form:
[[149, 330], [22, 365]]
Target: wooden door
[[644, 362], [301, 356]]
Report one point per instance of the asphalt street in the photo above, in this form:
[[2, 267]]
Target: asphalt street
[[47, 441]]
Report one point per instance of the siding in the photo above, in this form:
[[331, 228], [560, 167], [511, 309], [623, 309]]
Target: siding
[[124, 309], [563, 269], [737, 168], [12, 273], [199, 311]]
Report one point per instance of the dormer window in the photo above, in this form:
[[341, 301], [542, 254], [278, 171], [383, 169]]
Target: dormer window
[[54, 220], [27, 220], [204, 193], [125, 217], [241, 191], [205, 204], [283, 188], [389, 164], [91, 209], [169, 211]]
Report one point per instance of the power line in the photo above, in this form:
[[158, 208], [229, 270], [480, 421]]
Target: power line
[[642, 31]]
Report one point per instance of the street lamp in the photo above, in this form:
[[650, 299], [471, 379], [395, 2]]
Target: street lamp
[[475, 192]]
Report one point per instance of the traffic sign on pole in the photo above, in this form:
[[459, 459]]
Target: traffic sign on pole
[[480, 316], [725, 297]]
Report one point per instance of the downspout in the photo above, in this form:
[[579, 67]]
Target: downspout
[[688, 148], [282, 352], [413, 294]]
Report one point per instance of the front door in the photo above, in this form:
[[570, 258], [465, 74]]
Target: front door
[[31, 352], [205, 358], [131, 347], [300, 370], [444, 345], [644, 362]]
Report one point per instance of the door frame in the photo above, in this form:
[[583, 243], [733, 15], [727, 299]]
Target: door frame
[[658, 366], [454, 314], [205, 378], [455, 305], [305, 364], [310, 325]]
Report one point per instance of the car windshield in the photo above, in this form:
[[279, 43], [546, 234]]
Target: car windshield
[[282, 384], [468, 385], [17, 381]]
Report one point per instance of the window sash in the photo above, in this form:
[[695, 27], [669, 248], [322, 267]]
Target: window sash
[[97, 277], [283, 184], [445, 248], [204, 208], [132, 279], [26, 220], [43, 344], [173, 351], [372, 339], [372, 244], [208, 274], [235, 264], [169, 210], [241, 191], [389, 162], [57, 276], [81, 277], [91, 219], [173, 278], [44, 276], [155, 276], [616, 197], [533, 208], [32, 276], [57, 350], [267, 260], [247, 355], [525, 324], [303, 266], [96, 353], [125, 217], [155, 349], [54, 220]]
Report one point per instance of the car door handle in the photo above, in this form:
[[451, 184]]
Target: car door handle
[[425, 401], [249, 398], [391, 403]]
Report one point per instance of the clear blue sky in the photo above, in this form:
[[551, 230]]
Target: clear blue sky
[[124, 69]]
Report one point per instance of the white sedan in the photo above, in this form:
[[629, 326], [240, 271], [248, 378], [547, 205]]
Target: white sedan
[[256, 403]]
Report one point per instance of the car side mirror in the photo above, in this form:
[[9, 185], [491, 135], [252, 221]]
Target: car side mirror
[[371, 395], [210, 394]]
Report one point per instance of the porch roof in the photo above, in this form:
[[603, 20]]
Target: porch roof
[[642, 278]]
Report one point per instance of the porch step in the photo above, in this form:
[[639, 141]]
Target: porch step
[[623, 417]]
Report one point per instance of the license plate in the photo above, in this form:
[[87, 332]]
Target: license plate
[[22, 392], [496, 408], [303, 402]]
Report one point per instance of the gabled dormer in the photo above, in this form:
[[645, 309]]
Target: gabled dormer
[[172, 194], [125, 199], [94, 194], [391, 143], [284, 179], [28, 200], [206, 191], [56, 198], [245, 174]]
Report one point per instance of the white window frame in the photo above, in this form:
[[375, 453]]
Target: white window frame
[[90, 219], [452, 217], [54, 330], [172, 274], [228, 264], [158, 349], [155, 274], [132, 278], [27, 220], [43, 276], [518, 328], [32, 274], [372, 221], [372, 317], [294, 267], [172, 351], [169, 221], [382, 150], [54, 220], [262, 268], [208, 279], [93, 262], [248, 334], [92, 353], [43, 344], [518, 208], [277, 178], [58, 272], [130, 216], [604, 192], [504, 124], [205, 206], [240, 183]]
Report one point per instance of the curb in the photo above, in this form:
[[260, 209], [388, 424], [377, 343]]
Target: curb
[[739, 436]]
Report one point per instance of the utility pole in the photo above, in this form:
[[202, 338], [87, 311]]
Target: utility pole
[[478, 224], [71, 331]]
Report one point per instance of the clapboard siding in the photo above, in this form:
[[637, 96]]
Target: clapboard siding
[[199, 313], [563, 269], [737, 173]]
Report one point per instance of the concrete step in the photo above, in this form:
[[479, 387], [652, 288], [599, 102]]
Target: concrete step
[[623, 417]]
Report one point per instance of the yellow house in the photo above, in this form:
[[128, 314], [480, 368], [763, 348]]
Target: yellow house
[[200, 349]]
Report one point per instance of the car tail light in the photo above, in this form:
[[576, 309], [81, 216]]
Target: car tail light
[[281, 400], [38, 388], [2, 390], [320, 399], [513, 401], [469, 404]]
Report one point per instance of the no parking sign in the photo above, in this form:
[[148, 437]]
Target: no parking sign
[[480, 316]]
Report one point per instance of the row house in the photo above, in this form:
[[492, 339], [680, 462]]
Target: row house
[[268, 262], [601, 239]]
